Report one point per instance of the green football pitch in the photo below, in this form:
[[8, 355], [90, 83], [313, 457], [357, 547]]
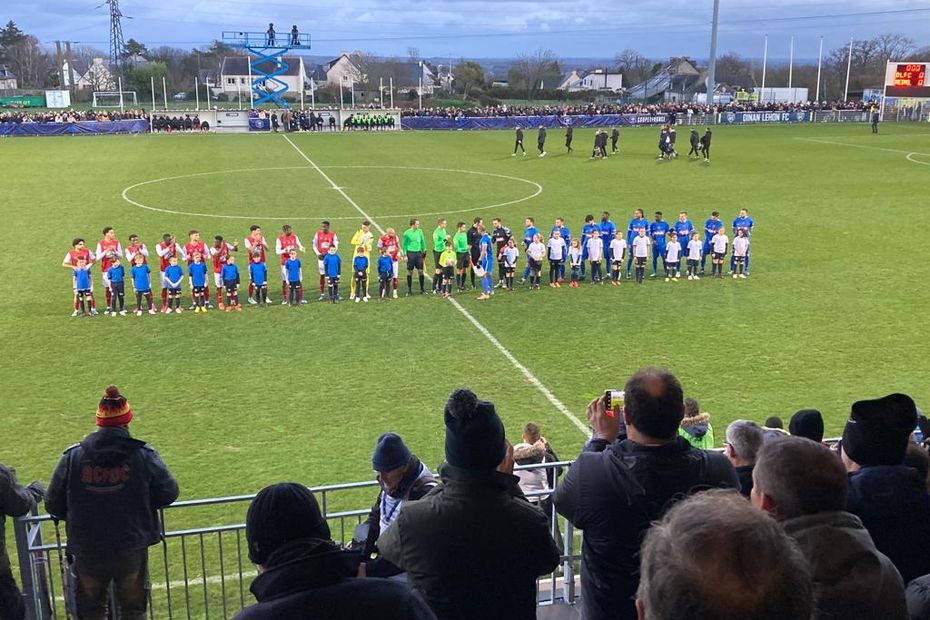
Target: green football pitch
[[833, 311]]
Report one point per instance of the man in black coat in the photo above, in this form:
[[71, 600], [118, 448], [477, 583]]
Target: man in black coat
[[890, 498], [474, 545], [518, 141], [108, 489], [541, 141], [303, 575], [15, 501], [615, 489]]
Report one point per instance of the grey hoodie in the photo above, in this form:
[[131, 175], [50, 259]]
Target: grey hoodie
[[852, 579]]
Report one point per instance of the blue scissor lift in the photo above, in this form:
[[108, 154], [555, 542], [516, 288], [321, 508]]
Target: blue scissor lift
[[267, 61]]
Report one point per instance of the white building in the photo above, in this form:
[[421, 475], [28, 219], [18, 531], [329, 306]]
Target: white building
[[7, 79], [599, 79]]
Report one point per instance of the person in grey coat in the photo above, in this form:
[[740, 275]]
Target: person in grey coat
[[15, 501], [803, 485]]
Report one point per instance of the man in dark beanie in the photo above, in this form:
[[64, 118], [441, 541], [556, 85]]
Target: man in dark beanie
[[615, 489], [474, 545], [304, 575], [890, 498], [807, 423], [402, 478], [15, 501], [108, 490]]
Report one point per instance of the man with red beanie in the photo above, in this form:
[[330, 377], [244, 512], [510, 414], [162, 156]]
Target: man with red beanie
[[108, 489]]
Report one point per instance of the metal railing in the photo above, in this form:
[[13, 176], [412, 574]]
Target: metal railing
[[200, 569]]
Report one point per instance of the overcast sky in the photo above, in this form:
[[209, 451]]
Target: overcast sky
[[489, 28]]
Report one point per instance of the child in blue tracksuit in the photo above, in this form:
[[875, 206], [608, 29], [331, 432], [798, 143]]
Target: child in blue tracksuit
[[83, 287], [197, 273], [116, 274], [174, 274], [360, 273], [385, 273], [258, 276], [142, 284], [230, 275], [332, 266], [295, 279]]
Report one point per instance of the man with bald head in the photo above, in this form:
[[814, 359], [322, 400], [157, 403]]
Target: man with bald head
[[618, 486]]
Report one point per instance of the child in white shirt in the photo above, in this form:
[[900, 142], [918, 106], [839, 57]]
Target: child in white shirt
[[617, 255]]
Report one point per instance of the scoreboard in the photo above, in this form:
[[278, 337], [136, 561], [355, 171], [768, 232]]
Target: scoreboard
[[906, 80]]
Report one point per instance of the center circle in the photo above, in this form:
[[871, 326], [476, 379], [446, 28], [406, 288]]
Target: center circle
[[536, 190]]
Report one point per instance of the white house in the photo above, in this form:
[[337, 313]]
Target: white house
[[97, 77], [339, 70], [7, 79], [234, 75], [415, 76], [570, 82], [599, 79]]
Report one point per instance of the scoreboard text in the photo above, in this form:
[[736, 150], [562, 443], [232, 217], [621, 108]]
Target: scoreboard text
[[910, 75]]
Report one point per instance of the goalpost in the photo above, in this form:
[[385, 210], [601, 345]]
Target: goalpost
[[115, 99]]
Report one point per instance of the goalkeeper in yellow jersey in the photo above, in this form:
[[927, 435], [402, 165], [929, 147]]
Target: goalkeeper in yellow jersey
[[363, 238]]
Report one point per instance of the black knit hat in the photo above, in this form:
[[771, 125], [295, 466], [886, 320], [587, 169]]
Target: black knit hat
[[474, 433], [280, 514], [807, 423], [390, 453], [877, 431]]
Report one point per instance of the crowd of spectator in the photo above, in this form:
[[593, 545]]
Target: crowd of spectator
[[72, 116], [778, 525], [680, 109]]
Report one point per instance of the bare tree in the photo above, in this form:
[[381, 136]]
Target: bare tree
[[29, 62], [893, 46], [633, 65], [530, 71]]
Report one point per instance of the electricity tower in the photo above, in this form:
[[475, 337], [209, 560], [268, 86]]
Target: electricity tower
[[117, 45]]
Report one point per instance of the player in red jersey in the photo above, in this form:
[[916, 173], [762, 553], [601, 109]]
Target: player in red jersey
[[166, 250], [193, 246], [108, 250], [136, 247], [77, 252], [323, 239], [282, 247], [255, 245], [391, 243], [220, 252]]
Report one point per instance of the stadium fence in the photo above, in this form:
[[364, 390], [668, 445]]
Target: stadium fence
[[204, 571]]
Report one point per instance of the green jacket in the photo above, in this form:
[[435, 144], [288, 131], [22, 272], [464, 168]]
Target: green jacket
[[446, 257], [439, 239], [460, 242], [698, 431], [413, 241]]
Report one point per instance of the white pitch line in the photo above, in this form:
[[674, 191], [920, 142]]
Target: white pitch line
[[863, 146], [533, 379]]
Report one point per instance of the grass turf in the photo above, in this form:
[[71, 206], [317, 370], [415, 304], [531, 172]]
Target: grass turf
[[831, 314]]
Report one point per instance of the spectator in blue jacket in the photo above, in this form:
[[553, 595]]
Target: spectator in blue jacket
[[108, 489]]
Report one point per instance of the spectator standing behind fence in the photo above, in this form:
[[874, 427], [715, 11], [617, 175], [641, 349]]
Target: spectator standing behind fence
[[108, 489], [807, 423], [474, 546], [696, 426], [402, 478], [615, 489], [714, 557], [744, 438], [803, 485], [304, 575], [15, 501], [889, 497]]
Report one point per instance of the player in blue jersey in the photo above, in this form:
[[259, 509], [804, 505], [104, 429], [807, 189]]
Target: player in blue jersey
[[197, 274], [566, 237], [486, 259], [711, 226], [174, 275], [658, 230], [639, 222], [258, 280], [116, 274], [589, 229], [529, 231], [683, 228], [83, 288], [142, 284], [332, 266], [230, 276], [360, 274], [607, 229], [742, 223], [293, 267]]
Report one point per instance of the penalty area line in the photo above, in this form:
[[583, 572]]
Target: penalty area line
[[533, 379]]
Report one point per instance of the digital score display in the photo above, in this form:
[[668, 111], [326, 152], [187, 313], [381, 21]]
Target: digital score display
[[910, 75]]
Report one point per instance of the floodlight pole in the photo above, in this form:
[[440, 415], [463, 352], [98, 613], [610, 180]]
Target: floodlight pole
[[248, 61], [848, 67], [119, 80], [152, 115], [197, 92], [164, 92], [765, 58], [392, 92], [791, 65], [712, 65], [819, 65]]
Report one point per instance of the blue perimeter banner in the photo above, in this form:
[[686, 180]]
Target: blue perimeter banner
[[746, 118], [550, 121], [78, 128]]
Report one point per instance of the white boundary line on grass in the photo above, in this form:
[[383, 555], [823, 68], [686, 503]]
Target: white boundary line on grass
[[908, 155], [533, 379]]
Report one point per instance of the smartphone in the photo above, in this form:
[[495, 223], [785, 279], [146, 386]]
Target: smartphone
[[614, 402]]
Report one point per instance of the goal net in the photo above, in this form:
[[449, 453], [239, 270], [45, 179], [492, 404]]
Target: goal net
[[115, 99]]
